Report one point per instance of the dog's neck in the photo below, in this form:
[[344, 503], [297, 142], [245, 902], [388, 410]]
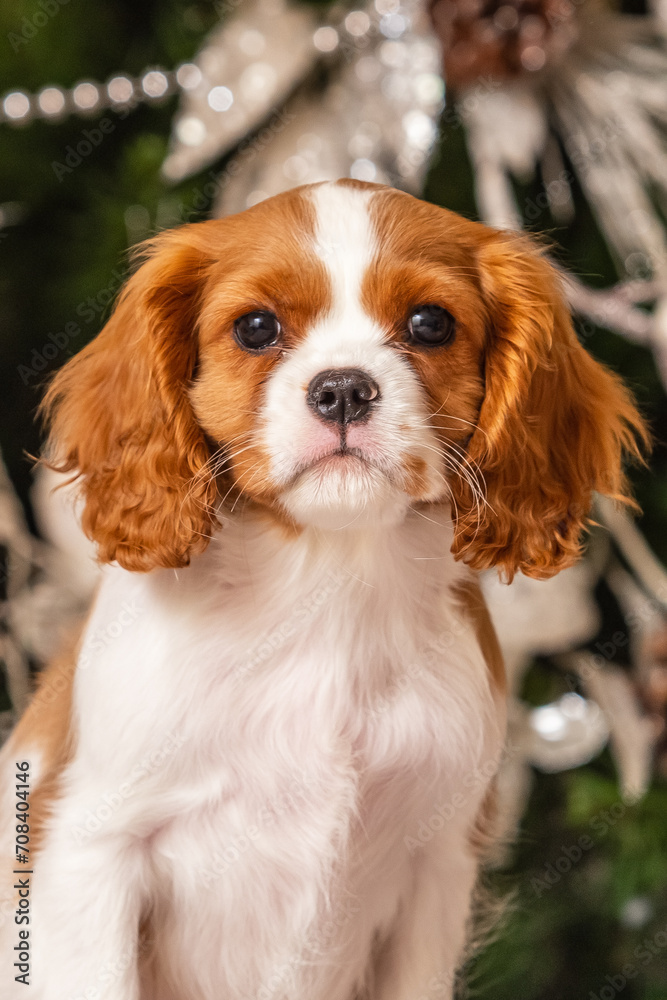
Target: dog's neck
[[381, 557], [342, 622], [256, 579]]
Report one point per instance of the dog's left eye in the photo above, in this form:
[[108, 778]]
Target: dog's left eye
[[257, 329], [431, 326]]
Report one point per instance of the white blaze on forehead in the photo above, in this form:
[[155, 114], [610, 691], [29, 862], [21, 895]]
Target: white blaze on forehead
[[346, 336], [345, 242]]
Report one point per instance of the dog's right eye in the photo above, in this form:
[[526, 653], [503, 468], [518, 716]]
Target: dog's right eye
[[257, 330]]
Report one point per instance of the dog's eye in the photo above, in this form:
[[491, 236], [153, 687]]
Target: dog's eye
[[431, 326], [256, 330]]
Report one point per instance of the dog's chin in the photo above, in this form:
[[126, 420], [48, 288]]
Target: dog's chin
[[344, 491]]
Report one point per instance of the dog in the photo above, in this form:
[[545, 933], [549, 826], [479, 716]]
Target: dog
[[267, 770]]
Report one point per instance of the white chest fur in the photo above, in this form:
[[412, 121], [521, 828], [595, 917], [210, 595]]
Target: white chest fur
[[269, 728]]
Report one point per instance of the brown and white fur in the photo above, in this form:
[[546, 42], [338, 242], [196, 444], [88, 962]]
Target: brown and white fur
[[267, 769]]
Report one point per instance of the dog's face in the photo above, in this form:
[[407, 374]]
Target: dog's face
[[338, 355], [340, 364]]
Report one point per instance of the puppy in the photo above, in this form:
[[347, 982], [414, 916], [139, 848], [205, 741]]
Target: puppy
[[267, 771]]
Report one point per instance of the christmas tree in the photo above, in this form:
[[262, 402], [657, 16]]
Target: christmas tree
[[113, 127]]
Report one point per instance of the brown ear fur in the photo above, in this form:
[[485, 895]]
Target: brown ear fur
[[120, 418], [553, 427]]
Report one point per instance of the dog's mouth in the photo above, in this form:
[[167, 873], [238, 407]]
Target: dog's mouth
[[339, 461], [340, 486], [341, 457]]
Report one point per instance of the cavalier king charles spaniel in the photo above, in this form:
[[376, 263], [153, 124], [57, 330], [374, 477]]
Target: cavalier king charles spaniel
[[266, 772]]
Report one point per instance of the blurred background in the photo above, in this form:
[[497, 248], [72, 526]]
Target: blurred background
[[119, 118]]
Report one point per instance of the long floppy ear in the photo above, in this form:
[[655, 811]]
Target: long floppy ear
[[553, 426], [121, 422]]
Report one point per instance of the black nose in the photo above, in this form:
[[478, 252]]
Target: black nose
[[342, 396]]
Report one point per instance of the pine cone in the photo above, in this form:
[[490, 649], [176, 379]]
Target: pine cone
[[501, 39]]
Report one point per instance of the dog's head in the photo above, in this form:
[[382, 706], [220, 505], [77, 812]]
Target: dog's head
[[337, 355]]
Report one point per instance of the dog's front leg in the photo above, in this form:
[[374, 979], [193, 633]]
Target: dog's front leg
[[85, 918], [424, 950]]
